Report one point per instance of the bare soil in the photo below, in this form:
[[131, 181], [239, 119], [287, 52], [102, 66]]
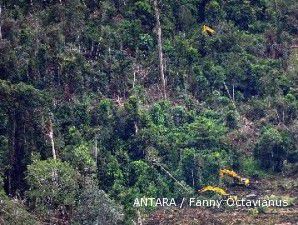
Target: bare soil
[[279, 186]]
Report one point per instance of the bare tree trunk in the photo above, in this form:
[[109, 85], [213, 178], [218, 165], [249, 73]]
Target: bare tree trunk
[[136, 127], [160, 53], [12, 153], [169, 174], [134, 68], [96, 150], [51, 136], [233, 93], [134, 79], [229, 94], [193, 179]]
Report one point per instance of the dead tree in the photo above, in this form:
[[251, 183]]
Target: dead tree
[[160, 52], [50, 134]]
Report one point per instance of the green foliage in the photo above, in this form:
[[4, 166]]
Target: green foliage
[[212, 162], [213, 11], [95, 206], [141, 178], [110, 173], [231, 119], [146, 42], [79, 152], [158, 113], [251, 168], [52, 183], [14, 212], [256, 109], [190, 167], [271, 150], [240, 12]]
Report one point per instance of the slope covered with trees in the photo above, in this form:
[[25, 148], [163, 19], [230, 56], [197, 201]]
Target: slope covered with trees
[[105, 101]]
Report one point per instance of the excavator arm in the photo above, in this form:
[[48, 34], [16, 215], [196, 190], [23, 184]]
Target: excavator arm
[[219, 191], [233, 174]]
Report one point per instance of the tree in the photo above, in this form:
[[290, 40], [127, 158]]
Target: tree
[[24, 109], [190, 167], [48, 193], [96, 207], [79, 152], [160, 51], [271, 149]]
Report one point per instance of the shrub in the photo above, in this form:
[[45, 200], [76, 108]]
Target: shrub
[[271, 149], [231, 119], [52, 184], [256, 110], [251, 168], [96, 207], [13, 212]]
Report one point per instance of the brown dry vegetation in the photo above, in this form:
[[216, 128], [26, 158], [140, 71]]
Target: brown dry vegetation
[[281, 186]]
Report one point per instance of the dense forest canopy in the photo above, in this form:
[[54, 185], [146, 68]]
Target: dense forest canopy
[[105, 101]]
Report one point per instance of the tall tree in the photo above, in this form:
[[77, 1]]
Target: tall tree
[[160, 52]]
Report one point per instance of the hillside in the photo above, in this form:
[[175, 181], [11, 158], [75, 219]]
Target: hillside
[[104, 102]]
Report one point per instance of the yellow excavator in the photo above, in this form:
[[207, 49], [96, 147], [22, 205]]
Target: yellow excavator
[[208, 30], [221, 191], [240, 180], [217, 190]]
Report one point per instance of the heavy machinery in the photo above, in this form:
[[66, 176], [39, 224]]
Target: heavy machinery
[[218, 190], [240, 180], [208, 30]]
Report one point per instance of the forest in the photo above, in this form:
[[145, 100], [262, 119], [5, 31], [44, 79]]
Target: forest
[[106, 101]]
